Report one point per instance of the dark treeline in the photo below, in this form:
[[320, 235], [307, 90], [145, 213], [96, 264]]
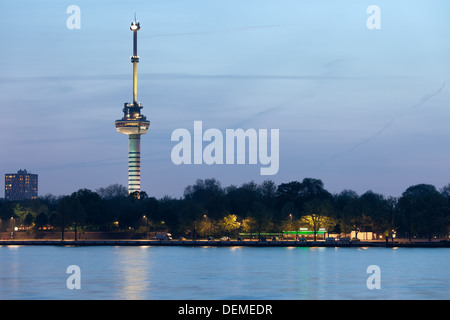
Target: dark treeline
[[208, 209]]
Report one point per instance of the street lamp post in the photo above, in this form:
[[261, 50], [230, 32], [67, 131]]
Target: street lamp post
[[12, 228], [206, 225], [292, 227], [146, 226]]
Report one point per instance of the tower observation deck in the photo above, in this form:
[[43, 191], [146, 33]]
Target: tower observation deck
[[133, 123]]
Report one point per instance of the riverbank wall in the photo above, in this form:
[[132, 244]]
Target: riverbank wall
[[230, 243]]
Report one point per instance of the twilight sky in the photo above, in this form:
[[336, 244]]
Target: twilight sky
[[359, 109]]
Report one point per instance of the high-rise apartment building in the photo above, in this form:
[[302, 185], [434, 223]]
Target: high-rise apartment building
[[21, 186]]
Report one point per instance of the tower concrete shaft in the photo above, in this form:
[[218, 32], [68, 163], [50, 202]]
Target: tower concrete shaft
[[134, 124], [134, 163]]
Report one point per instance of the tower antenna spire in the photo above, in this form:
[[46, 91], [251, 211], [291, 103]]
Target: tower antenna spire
[[135, 27]]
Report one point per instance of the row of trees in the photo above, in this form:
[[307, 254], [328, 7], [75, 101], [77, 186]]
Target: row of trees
[[208, 209]]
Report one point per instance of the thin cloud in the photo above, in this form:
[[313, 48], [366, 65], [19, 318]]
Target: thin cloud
[[421, 102], [200, 33], [187, 76]]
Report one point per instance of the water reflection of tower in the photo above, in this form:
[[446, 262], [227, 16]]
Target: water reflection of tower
[[133, 124]]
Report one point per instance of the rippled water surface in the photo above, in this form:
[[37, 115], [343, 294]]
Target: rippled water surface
[[33, 272]]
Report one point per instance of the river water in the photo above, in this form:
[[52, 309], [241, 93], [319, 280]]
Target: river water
[[222, 273]]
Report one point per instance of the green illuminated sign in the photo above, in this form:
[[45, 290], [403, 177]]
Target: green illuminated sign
[[303, 232]]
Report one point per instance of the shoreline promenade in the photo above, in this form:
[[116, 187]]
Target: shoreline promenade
[[229, 243]]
